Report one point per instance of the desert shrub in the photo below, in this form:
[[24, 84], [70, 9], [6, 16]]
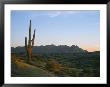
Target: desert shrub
[[37, 58], [88, 72], [53, 66], [70, 72]]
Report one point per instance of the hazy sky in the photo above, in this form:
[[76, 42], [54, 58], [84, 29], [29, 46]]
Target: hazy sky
[[80, 28]]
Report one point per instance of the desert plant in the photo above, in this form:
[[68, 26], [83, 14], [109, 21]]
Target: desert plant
[[53, 66], [30, 44]]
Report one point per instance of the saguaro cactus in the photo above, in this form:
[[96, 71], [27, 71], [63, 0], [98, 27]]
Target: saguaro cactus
[[30, 44]]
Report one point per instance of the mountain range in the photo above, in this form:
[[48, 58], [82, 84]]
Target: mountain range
[[50, 49]]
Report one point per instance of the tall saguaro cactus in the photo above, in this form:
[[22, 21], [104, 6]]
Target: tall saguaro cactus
[[30, 44]]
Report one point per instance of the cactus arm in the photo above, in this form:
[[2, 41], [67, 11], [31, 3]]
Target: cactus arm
[[33, 39], [25, 42], [34, 35], [26, 47]]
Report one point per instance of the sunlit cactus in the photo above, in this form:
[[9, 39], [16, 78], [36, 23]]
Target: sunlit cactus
[[30, 44]]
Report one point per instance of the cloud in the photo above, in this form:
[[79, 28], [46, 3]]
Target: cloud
[[60, 13], [52, 14]]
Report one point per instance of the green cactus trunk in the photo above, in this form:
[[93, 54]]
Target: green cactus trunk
[[30, 44]]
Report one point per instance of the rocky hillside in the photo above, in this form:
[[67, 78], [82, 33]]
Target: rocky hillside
[[19, 68]]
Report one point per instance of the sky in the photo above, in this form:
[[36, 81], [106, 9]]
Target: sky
[[58, 27]]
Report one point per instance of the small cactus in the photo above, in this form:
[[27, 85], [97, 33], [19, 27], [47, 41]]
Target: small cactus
[[30, 44]]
